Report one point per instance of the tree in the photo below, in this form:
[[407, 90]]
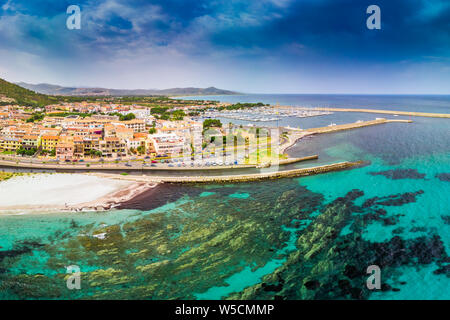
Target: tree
[[178, 115], [37, 116], [152, 131], [141, 149], [208, 123], [127, 117], [159, 110]]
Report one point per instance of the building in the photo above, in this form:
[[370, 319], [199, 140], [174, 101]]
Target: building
[[112, 147], [167, 144], [136, 125], [10, 144], [30, 142], [65, 151], [49, 142]]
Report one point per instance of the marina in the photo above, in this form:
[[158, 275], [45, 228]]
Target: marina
[[265, 114]]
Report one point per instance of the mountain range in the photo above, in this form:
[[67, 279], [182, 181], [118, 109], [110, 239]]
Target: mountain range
[[50, 89]]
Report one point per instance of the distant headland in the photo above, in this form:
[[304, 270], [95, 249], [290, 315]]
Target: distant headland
[[51, 89]]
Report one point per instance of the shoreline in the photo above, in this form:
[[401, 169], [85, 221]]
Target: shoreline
[[140, 185], [61, 193], [113, 199], [236, 178]]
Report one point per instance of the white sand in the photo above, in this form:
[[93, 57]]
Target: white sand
[[55, 190]]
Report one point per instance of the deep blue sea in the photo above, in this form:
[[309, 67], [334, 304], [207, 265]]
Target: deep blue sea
[[305, 238]]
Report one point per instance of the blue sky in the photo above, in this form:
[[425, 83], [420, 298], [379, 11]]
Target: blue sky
[[261, 46]]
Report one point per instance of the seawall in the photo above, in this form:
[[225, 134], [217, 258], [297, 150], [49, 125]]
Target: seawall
[[400, 113], [238, 178]]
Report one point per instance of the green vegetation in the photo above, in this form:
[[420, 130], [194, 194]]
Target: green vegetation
[[95, 153], [159, 110], [24, 152], [238, 106], [7, 175], [152, 131], [37, 116], [208, 123], [126, 117], [66, 114], [163, 113], [141, 149], [24, 96], [52, 153], [178, 115], [28, 98]]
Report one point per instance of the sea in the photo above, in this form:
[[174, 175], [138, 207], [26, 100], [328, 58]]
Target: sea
[[379, 231]]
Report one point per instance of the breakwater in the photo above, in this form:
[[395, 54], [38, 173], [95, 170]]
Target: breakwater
[[297, 134], [237, 178], [400, 113], [296, 160], [348, 126]]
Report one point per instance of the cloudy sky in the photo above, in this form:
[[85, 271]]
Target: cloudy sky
[[260, 46]]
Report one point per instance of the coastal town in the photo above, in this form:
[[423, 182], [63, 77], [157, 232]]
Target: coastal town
[[101, 132], [166, 134]]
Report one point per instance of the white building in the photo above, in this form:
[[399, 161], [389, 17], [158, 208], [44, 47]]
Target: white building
[[167, 144]]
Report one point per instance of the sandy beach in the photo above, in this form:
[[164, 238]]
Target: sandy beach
[[65, 192]]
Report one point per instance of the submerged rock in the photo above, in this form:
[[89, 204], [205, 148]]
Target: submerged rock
[[398, 174]]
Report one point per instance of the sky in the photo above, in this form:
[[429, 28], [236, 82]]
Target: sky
[[253, 46]]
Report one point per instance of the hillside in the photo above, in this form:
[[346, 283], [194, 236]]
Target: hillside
[[11, 93], [51, 89]]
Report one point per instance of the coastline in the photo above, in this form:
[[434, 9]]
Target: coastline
[[236, 178], [55, 193], [134, 185], [113, 199], [131, 187]]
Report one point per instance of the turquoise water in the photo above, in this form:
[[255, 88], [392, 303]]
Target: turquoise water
[[305, 238]]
